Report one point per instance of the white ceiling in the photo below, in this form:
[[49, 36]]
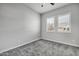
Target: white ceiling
[[47, 6]]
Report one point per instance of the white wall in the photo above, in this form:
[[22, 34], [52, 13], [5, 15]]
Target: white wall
[[18, 25], [66, 38]]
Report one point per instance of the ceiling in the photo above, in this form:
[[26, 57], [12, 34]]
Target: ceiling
[[47, 6]]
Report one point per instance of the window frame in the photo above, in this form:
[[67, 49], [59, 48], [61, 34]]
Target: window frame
[[47, 24], [69, 22]]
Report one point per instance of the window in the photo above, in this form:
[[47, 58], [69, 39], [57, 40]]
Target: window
[[64, 23], [50, 24]]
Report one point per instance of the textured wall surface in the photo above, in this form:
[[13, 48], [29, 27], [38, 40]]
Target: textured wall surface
[[43, 48], [18, 25]]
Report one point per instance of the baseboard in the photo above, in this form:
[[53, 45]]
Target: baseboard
[[60, 42], [36, 40], [4, 50]]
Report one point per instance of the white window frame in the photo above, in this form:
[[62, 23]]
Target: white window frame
[[69, 22], [47, 24]]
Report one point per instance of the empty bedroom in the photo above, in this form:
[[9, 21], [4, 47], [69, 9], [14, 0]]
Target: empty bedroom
[[39, 29]]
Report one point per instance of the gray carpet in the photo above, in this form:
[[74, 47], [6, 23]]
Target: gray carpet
[[43, 48]]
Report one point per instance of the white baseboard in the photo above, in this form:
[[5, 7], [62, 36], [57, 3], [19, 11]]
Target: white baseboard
[[75, 45], [36, 40], [4, 50]]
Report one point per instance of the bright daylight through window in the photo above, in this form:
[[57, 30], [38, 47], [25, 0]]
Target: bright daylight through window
[[50, 24], [64, 23]]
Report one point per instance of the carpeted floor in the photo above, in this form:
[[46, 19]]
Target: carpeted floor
[[43, 48]]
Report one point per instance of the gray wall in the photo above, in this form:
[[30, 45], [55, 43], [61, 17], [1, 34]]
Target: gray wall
[[18, 25], [66, 38]]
